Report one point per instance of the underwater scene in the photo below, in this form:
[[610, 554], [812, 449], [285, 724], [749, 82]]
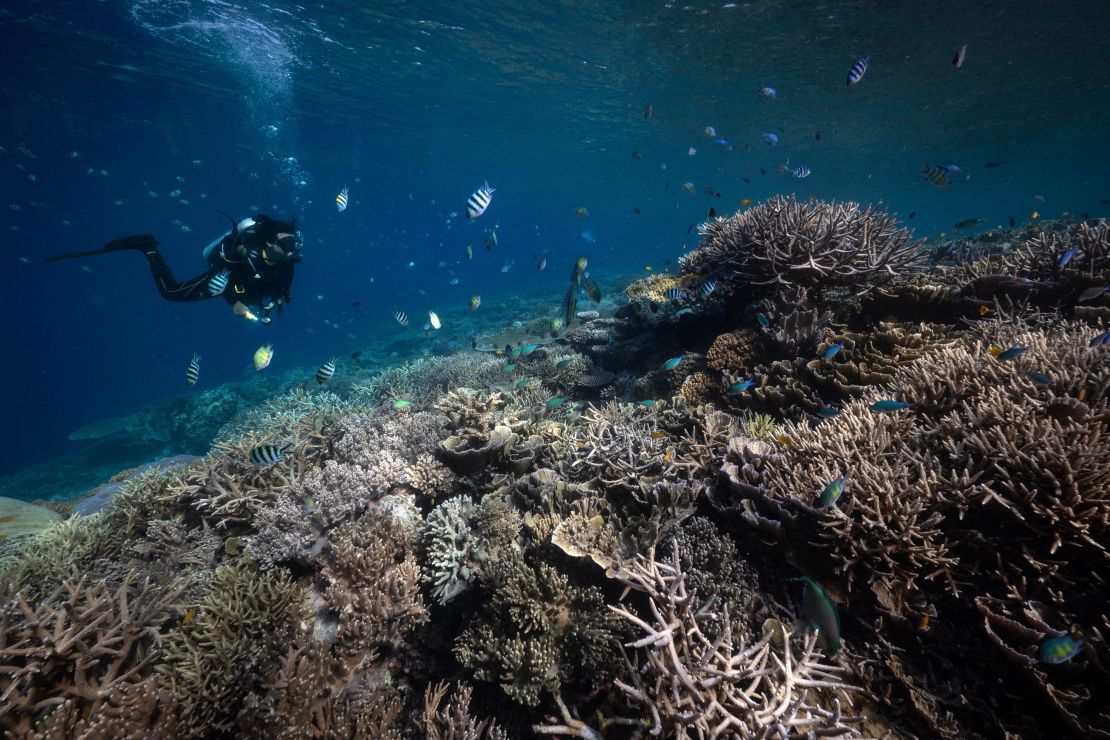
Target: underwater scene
[[615, 369]]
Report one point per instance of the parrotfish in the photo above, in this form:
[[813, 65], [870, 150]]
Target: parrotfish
[[672, 363], [737, 388], [1056, 650], [1010, 354], [887, 405], [831, 493], [821, 613]]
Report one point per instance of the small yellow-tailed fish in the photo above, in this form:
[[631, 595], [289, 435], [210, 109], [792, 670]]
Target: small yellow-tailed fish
[[262, 357], [341, 200], [581, 212], [433, 319], [193, 371]]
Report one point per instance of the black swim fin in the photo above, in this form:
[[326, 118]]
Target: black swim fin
[[137, 242]]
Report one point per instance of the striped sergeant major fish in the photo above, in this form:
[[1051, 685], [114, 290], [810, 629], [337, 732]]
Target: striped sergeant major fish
[[341, 200], [192, 373], [325, 372], [218, 282], [708, 287], [858, 70], [479, 201], [674, 294], [401, 316], [268, 454], [801, 172]]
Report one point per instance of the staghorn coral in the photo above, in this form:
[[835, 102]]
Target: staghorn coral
[[990, 484], [538, 633], [82, 645], [689, 684], [280, 417], [815, 245], [615, 445], [423, 381]]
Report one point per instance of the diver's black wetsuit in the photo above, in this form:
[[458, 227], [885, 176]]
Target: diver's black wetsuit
[[260, 273]]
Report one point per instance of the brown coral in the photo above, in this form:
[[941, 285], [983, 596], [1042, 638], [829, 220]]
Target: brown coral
[[734, 351], [816, 245]]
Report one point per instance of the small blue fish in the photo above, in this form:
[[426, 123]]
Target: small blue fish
[[770, 139], [528, 349], [828, 412], [723, 142], [1011, 353], [763, 320], [737, 388], [647, 402], [768, 93], [831, 351], [1101, 339], [1065, 258], [1057, 650], [883, 407], [831, 493], [821, 613], [1038, 377], [556, 401], [672, 363]]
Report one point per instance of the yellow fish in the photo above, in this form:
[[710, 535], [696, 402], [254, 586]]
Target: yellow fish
[[994, 351], [648, 268], [983, 310], [658, 434], [262, 357], [1035, 214], [192, 611], [581, 211], [475, 302], [745, 201]]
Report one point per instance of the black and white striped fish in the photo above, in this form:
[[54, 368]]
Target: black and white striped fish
[[800, 171], [192, 373], [675, 294], [218, 282], [858, 70], [325, 372], [708, 287], [268, 454], [401, 316], [477, 203]]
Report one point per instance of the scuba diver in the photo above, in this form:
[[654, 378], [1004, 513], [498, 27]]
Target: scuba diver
[[251, 266]]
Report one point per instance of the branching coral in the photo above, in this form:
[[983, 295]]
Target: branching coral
[[454, 722], [218, 663], [992, 482], [688, 683], [816, 245], [538, 632], [85, 642], [370, 582]]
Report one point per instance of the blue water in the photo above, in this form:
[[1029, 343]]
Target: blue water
[[275, 107]]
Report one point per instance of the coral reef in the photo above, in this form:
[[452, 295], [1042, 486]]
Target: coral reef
[[817, 245], [585, 540]]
